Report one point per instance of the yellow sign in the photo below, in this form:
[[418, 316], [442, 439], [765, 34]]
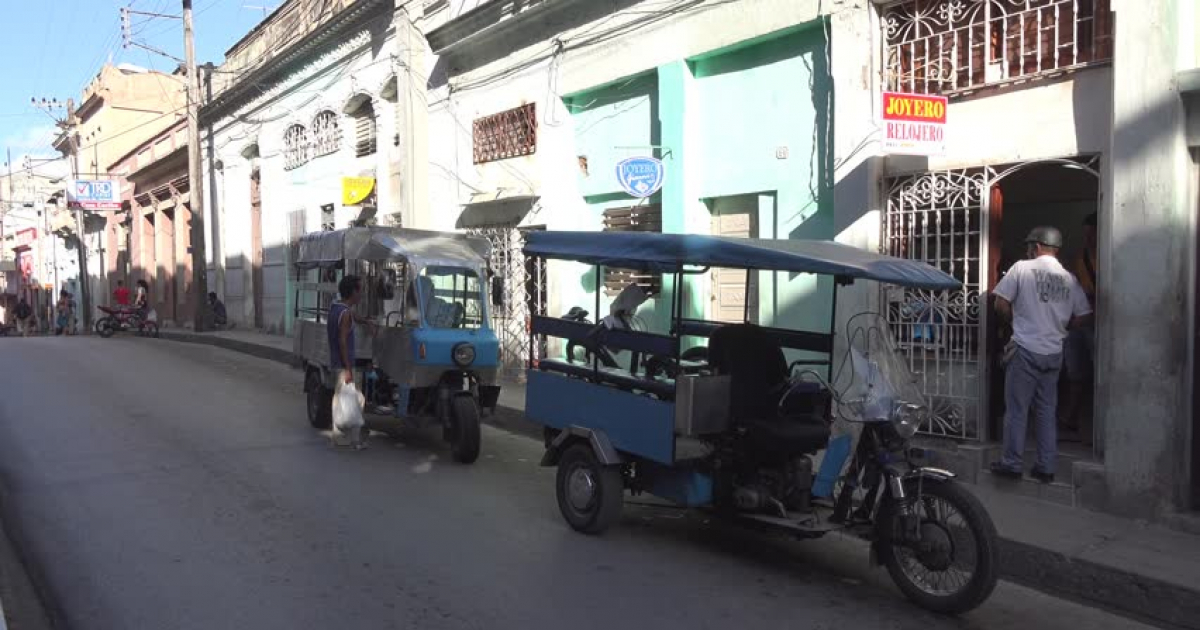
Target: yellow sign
[[356, 189]]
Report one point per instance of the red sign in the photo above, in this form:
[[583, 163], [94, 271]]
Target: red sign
[[26, 237], [914, 124]]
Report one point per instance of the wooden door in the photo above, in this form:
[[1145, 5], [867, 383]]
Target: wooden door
[[256, 247], [730, 302]]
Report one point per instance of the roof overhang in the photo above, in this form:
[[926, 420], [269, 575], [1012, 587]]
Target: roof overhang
[[497, 210]]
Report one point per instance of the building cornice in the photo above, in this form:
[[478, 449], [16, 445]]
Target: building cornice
[[248, 86], [488, 21]]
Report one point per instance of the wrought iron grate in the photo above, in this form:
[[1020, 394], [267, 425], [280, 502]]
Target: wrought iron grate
[[327, 135], [955, 46], [939, 218], [295, 147], [505, 135]]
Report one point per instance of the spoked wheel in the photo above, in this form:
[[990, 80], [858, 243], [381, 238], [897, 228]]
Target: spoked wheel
[[951, 567], [106, 327], [590, 494], [319, 403], [464, 431]]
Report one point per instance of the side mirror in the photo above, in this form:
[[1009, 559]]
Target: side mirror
[[497, 291]]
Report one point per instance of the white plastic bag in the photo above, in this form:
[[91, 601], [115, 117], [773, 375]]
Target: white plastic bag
[[347, 408]]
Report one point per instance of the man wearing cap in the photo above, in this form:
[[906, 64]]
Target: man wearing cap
[[1041, 300]]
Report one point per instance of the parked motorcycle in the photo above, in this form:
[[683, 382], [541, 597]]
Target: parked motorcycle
[[118, 319]]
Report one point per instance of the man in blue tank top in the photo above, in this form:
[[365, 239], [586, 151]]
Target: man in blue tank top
[[340, 328]]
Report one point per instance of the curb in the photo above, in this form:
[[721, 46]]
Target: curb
[[1136, 596]]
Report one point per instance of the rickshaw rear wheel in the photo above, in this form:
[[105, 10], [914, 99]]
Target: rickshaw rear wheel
[[320, 402], [590, 494], [466, 438]]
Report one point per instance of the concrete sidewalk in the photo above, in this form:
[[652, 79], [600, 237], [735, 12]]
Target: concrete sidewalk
[[1145, 571]]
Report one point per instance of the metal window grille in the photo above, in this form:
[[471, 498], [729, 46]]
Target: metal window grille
[[940, 218], [365, 131], [327, 218], [295, 147], [509, 134], [327, 135], [646, 218], [956, 46]]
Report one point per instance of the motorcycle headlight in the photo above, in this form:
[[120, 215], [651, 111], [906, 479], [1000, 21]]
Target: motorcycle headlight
[[463, 354], [907, 418]]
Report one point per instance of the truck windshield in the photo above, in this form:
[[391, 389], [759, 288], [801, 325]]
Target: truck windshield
[[451, 297]]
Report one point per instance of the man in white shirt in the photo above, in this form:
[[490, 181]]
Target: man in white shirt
[[1042, 300]]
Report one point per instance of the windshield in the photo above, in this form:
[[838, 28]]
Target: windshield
[[451, 298]]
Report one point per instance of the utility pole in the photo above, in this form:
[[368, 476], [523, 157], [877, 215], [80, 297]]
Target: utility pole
[[85, 281], [195, 177]]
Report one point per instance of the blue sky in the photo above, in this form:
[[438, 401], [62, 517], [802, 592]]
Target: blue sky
[[55, 47]]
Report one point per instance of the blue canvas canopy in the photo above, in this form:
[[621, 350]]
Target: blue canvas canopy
[[667, 253]]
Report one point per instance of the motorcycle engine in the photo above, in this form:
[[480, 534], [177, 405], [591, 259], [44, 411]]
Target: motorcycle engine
[[777, 490]]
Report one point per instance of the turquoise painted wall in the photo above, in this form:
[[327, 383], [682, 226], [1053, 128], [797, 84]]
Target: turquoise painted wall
[[763, 127], [717, 121]]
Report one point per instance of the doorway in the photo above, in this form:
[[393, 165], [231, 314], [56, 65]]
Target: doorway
[[734, 294], [1065, 195], [256, 247]]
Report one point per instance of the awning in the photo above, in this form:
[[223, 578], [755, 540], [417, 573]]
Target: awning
[[498, 210], [666, 253], [329, 249]]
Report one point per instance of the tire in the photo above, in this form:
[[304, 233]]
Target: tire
[[986, 551], [465, 436], [319, 402], [106, 327], [590, 494]]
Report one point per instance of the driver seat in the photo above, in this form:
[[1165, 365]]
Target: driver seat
[[758, 375]]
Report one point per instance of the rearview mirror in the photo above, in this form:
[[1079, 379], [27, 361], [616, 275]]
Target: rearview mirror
[[497, 291]]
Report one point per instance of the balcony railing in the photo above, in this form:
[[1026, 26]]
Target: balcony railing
[[956, 46]]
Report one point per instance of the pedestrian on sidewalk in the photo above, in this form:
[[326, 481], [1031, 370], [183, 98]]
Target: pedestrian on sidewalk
[[24, 314], [121, 294], [1042, 300], [220, 315], [63, 313], [340, 329], [141, 301]]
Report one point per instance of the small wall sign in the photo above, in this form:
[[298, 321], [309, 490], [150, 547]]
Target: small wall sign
[[641, 176]]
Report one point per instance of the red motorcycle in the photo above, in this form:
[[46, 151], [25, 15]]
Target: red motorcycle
[[125, 318]]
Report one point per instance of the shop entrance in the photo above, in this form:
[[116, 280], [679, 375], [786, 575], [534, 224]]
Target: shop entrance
[[1065, 195]]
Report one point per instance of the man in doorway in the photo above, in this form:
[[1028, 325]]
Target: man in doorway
[[1079, 349], [1042, 300], [340, 329]]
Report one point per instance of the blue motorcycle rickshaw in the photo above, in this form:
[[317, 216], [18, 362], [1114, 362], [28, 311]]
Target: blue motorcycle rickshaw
[[738, 418]]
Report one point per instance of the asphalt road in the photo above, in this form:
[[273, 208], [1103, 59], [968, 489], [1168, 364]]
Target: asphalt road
[[158, 485]]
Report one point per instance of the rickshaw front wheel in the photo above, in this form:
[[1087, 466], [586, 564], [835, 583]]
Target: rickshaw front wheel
[[465, 434], [320, 403], [590, 494]]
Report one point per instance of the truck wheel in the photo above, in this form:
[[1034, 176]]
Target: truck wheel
[[590, 494], [465, 429], [320, 402]]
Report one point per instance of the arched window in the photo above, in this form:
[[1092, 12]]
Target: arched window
[[365, 131], [327, 135], [295, 147]]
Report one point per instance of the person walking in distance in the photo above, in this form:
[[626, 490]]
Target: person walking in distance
[[340, 328], [24, 314], [1041, 300]]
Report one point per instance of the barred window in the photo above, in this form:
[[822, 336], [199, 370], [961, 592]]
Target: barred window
[[327, 135], [365, 130], [295, 147], [646, 218], [509, 134], [955, 46]]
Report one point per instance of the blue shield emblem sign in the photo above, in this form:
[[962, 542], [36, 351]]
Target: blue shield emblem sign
[[641, 176]]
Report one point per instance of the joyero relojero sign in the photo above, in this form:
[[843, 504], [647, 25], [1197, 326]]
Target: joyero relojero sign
[[914, 124]]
